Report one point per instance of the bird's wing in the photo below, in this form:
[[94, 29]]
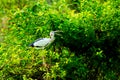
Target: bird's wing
[[38, 39], [42, 42]]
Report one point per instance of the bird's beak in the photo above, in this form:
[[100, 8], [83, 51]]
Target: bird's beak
[[58, 32]]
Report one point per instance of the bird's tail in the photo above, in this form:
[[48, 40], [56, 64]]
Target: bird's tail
[[31, 45]]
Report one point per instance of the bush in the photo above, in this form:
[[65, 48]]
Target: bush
[[87, 49]]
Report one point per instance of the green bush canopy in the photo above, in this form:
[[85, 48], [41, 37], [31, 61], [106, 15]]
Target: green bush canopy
[[88, 48]]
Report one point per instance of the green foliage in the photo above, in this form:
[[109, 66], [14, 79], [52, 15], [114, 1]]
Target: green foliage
[[89, 47]]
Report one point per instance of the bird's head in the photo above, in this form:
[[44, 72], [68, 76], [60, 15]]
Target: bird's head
[[52, 33]]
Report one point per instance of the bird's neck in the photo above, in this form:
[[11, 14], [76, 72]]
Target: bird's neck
[[52, 38]]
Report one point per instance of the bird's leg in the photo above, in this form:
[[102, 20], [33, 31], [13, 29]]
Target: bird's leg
[[43, 48], [46, 66], [43, 56], [44, 62]]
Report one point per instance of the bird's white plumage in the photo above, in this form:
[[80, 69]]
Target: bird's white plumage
[[41, 43]]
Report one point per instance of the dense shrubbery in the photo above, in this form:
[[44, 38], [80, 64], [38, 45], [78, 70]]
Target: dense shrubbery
[[89, 47]]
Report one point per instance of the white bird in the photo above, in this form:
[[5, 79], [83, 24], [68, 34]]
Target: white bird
[[41, 43]]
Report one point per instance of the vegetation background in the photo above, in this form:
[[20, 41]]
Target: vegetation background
[[89, 48]]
